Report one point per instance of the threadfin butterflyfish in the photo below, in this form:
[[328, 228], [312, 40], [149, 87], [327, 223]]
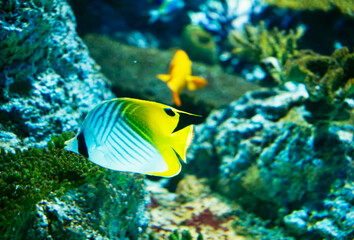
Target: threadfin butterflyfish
[[132, 135], [180, 76]]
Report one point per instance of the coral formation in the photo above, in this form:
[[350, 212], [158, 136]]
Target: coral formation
[[345, 6], [267, 156], [44, 67], [257, 44], [199, 44], [329, 80]]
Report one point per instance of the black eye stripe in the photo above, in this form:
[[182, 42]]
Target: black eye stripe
[[82, 145], [169, 112]]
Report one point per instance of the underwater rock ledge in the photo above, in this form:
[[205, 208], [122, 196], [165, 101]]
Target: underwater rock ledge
[[261, 152], [48, 81]]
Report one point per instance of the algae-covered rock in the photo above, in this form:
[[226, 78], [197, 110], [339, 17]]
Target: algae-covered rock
[[108, 207], [261, 152], [53, 193], [47, 79], [132, 72], [345, 6]]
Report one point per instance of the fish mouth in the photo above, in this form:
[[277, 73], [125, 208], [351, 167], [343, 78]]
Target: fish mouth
[[186, 120]]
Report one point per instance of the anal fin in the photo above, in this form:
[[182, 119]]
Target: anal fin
[[176, 98], [171, 158]]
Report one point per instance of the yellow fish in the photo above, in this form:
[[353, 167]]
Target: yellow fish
[[132, 135], [180, 76]]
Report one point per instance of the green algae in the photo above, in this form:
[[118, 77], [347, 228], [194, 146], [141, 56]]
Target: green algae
[[175, 235], [29, 176], [345, 6]]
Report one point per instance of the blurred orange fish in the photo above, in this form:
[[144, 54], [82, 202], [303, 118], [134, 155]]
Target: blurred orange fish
[[180, 76]]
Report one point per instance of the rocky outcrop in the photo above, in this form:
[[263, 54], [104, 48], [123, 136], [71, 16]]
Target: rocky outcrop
[[261, 152], [111, 208], [48, 81]]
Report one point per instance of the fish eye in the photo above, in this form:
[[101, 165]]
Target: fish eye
[[169, 112]]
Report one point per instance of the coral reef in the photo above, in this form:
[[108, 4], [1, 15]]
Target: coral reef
[[48, 81], [261, 152], [35, 201], [344, 6], [199, 44], [276, 164], [329, 80]]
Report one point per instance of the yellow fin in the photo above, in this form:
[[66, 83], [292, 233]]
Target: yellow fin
[[177, 149], [173, 163], [176, 98], [164, 77], [182, 139], [195, 82]]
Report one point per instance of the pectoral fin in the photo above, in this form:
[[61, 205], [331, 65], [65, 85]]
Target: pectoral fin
[[195, 82], [164, 77]]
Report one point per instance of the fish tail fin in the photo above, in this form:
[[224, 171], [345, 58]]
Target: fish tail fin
[[195, 82], [164, 77], [72, 145], [176, 98], [182, 139]]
